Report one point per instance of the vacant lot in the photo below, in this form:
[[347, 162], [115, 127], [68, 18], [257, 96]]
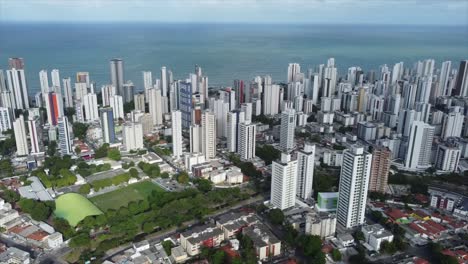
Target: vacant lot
[[123, 196], [73, 207]]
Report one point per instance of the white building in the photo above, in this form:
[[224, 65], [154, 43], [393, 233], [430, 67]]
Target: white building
[[320, 224], [195, 139], [139, 100], [452, 124], [132, 134], [176, 118], [246, 141], [305, 171], [116, 102], [209, 135], [231, 133], [375, 234], [155, 106], [447, 158], [271, 97], [191, 159], [284, 182], [5, 119], [90, 107], [81, 89], [16, 81], [65, 141], [55, 76], [147, 82], [35, 130], [419, 151], [288, 124], [67, 92], [354, 182], [107, 92], [20, 136]]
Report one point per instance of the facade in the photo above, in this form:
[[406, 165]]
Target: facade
[[107, 125], [5, 119], [54, 107], [177, 134], [265, 243], [202, 236], [246, 141], [231, 133], [209, 135], [35, 135], [353, 187], [195, 139], [320, 224], [288, 124], [67, 92], [155, 106], [16, 82], [447, 157], [107, 92], [64, 137], [452, 124], [139, 100], [20, 137], [284, 182], [375, 235], [185, 103], [305, 171], [132, 134], [381, 159]]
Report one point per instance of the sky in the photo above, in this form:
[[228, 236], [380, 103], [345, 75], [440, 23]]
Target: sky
[[413, 12]]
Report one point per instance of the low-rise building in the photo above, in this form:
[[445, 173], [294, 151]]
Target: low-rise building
[[265, 243], [375, 235], [203, 236], [15, 256], [320, 224], [233, 223]]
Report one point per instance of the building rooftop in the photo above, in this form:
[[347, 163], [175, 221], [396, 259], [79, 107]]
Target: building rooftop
[[260, 235]]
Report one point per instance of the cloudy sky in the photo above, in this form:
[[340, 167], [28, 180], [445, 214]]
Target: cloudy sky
[[250, 11]]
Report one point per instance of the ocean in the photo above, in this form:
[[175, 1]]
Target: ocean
[[224, 51]]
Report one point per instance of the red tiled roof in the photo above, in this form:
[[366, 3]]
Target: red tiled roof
[[18, 229], [395, 213], [38, 236], [420, 261]]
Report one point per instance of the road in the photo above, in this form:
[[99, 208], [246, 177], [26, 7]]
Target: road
[[152, 238]]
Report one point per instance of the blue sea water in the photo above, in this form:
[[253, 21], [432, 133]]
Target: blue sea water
[[224, 51]]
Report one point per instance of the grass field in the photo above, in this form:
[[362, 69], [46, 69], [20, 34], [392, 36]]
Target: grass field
[[74, 207], [123, 196]]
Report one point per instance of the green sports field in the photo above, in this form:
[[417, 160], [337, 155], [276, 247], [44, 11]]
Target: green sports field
[[74, 207], [123, 196]]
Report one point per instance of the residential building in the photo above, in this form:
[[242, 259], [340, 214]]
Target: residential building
[[177, 143], [288, 124], [21, 140], [107, 125], [246, 140], [90, 107], [381, 160], [117, 75], [419, 151], [132, 134], [305, 171], [265, 243], [284, 182], [376, 234], [116, 102], [320, 224], [209, 135]]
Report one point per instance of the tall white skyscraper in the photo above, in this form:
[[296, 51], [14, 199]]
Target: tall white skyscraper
[[116, 102], [195, 139], [164, 84], [139, 100], [231, 133], [147, 82], [55, 75], [209, 135], [176, 118], [5, 119], [418, 155], [35, 132], [132, 135], [444, 78], [283, 182], [288, 124], [65, 141], [305, 171], [452, 124], [246, 140], [354, 182], [16, 81], [246, 108], [155, 106], [20, 136], [271, 97], [67, 92], [90, 107], [44, 80], [107, 91], [293, 70]]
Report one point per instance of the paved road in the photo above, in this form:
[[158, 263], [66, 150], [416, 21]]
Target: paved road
[[172, 231]]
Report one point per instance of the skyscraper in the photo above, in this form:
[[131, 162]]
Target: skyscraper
[[44, 80], [246, 141], [54, 107], [380, 168], [16, 81], [132, 134], [65, 141], [176, 118], [5, 119], [209, 135], [67, 92], [231, 133], [117, 75], [164, 84], [139, 100], [107, 91], [271, 97], [461, 85], [293, 70], [447, 157], [354, 182], [305, 171], [418, 155], [55, 76], [116, 102], [90, 107], [155, 106], [195, 139], [452, 123], [107, 125], [147, 82], [35, 135], [288, 124], [20, 136], [284, 182], [129, 91], [185, 103]]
